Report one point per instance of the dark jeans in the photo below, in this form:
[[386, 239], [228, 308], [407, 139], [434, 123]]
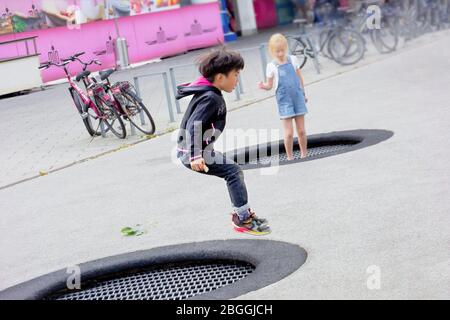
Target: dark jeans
[[225, 168]]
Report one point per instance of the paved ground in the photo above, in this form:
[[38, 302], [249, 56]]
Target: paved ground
[[385, 206]]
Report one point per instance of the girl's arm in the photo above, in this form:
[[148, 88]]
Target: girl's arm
[[302, 82], [266, 85]]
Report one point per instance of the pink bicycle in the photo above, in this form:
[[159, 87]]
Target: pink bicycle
[[121, 96], [93, 114]]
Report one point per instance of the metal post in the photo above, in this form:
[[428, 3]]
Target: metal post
[[174, 88], [102, 129], [262, 51], [141, 116], [136, 86], [169, 100], [132, 129], [236, 91], [240, 86], [138, 91]]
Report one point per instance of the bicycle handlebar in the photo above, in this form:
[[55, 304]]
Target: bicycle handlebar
[[75, 57], [85, 64], [46, 65], [90, 62]]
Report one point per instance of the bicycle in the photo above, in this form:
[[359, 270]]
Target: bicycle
[[435, 14], [406, 19], [302, 46], [125, 100], [336, 41], [128, 103], [343, 44], [414, 18], [87, 109], [384, 37]]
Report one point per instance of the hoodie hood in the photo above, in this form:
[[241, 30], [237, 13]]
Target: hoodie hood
[[198, 86], [201, 81]]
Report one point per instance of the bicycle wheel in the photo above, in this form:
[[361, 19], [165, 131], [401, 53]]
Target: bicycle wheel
[[137, 113], [90, 119], [324, 36], [312, 52], [408, 25], [437, 21], [111, 117], [423, 20], [297, 48], [385, 39], [346, 47]]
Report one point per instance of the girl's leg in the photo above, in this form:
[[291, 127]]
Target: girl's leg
[[288, 137], [302, 139]]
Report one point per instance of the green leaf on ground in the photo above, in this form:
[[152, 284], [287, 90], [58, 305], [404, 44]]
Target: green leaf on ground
[[135, 231]]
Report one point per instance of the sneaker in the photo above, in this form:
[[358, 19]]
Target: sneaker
[[250, 226], [259, 221]]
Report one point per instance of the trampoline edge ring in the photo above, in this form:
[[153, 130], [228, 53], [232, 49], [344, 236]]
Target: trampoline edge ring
[[274, 258]]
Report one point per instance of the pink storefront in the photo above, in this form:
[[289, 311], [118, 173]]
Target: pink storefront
[[152, 29]]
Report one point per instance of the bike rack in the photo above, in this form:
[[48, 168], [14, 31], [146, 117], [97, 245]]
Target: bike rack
[[263, 54], [166, 87], [173, 79], [262, 48], [174, 82], [240, 87], [102, 129]]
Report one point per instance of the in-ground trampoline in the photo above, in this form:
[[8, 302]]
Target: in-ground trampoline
[[319, 146], [205, 270]]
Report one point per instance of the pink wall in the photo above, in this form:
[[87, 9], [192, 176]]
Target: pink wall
[[265, 13], [149, 36]]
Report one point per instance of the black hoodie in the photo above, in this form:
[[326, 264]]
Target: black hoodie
[[204, 119]]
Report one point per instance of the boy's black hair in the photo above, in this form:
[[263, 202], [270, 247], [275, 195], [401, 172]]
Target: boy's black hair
[[219, 61]]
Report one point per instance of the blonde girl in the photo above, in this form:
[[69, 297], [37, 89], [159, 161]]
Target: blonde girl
[[283, 73]]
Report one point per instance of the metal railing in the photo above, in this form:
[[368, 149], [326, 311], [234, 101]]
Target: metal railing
[[187, 72], [166, 88]]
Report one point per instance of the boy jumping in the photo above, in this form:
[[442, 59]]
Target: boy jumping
[[203, 123]]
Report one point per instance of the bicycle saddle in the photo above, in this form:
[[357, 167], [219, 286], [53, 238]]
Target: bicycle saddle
[[83, 74], [105, 74]]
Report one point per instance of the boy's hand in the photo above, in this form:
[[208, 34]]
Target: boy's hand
[[199, 165]]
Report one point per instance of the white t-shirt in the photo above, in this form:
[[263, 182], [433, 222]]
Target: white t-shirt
[[272, 70]]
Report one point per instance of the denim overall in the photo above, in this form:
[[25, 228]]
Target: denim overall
[[289, 94]]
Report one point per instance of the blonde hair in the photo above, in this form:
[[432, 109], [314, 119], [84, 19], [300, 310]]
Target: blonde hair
[[276, 40]]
